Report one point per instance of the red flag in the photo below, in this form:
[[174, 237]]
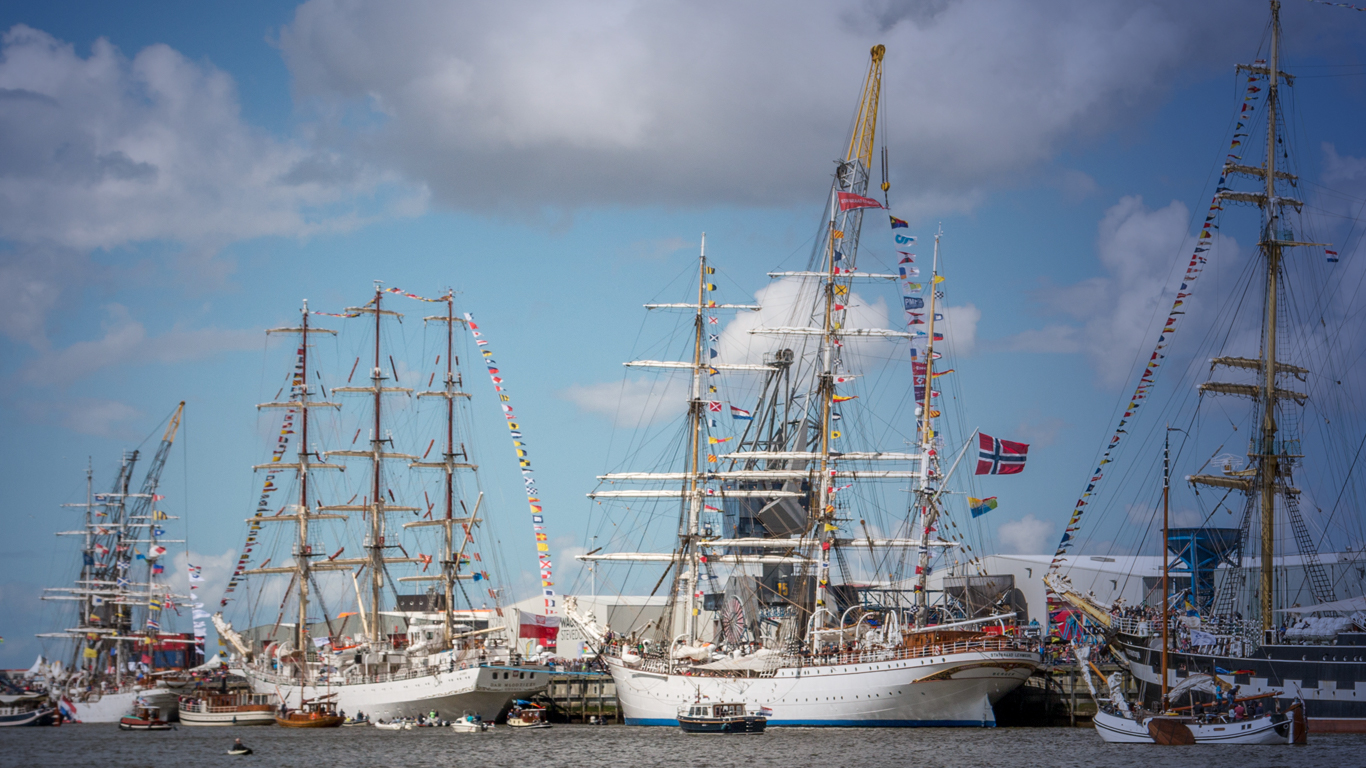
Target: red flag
[[850, 202], [1000, 457]]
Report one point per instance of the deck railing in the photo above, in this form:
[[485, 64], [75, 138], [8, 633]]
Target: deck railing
[[871, 656]]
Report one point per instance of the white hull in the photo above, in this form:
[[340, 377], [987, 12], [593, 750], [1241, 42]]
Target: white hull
[[1123, 730], [956, 689], [227, 718], [110, 707], [484, 691]]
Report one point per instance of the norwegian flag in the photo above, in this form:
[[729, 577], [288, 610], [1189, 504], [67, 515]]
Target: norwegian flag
[[1000, 457]]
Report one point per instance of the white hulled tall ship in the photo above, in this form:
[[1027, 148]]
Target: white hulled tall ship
[[782, 596], [444, 650], [124, 602]]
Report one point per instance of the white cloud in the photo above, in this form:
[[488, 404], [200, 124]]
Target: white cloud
[[1026, 536], [960, 328], [94, 416], [1115, 317], [632, 402], [102, 151], [795, 302], [126, 342], [706, 103], [217, 569]]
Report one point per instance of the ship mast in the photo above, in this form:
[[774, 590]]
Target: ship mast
[[695, 489], [450, 557], [929, 510], [377, 508], [303, 548], [1271, 244], [1166, 559]]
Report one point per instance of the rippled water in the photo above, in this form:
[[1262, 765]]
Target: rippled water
[[74, 746]]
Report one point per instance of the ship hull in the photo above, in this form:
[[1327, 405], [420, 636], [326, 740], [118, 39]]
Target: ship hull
[[112, 707], [483, 691], [953, 690], [1331, 679]]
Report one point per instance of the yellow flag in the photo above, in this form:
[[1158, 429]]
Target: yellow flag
[[831, 527], [837, 234], [841, 290], [834, 434], [938, 279], [711, 458], [90, 653]]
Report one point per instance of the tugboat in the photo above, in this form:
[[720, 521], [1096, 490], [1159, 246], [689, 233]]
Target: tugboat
[[727, 717], [143, 719], [524, 714]]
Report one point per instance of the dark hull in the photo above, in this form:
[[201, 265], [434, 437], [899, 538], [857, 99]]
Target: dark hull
[[41, 716], [723, 724], [1330, 678]]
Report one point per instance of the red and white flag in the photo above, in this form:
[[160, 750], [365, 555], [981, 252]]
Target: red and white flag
[[851, 202], [1000, 457]]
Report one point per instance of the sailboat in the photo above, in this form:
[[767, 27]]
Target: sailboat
[[1172, 725], [1224, 624], [426, 653], [781, 514], [122, 597]]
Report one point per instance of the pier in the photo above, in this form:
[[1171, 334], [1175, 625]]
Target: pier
[[576, 697]]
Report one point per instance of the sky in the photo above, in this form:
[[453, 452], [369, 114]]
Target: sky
[[176, 178]]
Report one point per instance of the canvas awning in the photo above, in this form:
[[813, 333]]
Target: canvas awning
[[1349, 605]]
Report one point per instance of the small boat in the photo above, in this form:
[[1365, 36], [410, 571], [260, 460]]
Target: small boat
[[143, 719], [1178, 729], [727, 717], [314, 713], [239, 748], [394, 725], [18, 715], [524, 714], [470, 724], [354, 721], [228, 709]]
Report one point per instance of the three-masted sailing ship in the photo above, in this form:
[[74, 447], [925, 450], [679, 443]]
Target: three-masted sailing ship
[[442, 650], [1238, 616], [795, 627], [123, 599]]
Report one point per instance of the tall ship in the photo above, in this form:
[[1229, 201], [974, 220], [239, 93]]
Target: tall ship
[[119, 640], [796, 568], [1256, 604], [394, 654]]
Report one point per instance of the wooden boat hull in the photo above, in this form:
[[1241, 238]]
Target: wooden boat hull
[[320, 721]]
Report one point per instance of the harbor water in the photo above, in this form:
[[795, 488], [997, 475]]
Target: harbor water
[[104, 746]]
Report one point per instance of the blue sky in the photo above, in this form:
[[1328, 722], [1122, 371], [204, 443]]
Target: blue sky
[[178, 177]]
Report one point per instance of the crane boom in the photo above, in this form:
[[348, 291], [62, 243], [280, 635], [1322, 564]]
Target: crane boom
[[865, 124]]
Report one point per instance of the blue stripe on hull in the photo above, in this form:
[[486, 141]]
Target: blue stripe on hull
[[836, 723]]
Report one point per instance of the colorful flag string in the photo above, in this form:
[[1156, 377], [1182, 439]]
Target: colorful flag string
[[1147, 380], [263, 503], [1338, 5], [524, 463]]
